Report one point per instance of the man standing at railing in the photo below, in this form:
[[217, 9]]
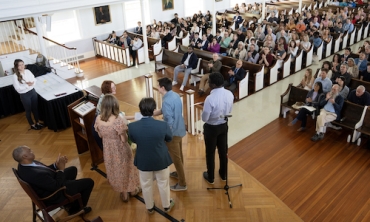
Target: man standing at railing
[[172, 114], [135, 45], [216, 108]]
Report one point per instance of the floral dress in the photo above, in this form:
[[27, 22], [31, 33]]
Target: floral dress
[[122, 175]]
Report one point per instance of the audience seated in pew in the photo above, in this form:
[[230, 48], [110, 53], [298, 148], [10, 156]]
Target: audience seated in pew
[[203, 45], [342, 72], [332, 107], [236, 73], [167, 37], [240, 52], [343, 89], [188, 62], [265, 58], [314, 96], [326, 82], [214, 46], [138, 29], [352, 68], [307, 80], [252, 54], [361, 63], [214, 65], [365, 76], [113, 38], [359, 96]]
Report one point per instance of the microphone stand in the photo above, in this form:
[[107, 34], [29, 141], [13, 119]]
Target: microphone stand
[[226, 187]]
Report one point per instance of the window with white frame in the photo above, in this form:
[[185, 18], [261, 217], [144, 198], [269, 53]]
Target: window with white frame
[[59, 22], [193, 6], [133, 13]]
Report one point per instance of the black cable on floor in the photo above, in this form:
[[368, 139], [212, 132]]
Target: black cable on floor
[[161, 212]]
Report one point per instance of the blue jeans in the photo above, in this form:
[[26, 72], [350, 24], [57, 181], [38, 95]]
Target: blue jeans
[[186, 71]]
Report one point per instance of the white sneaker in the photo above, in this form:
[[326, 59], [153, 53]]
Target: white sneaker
[[174, 83], [182, 88]]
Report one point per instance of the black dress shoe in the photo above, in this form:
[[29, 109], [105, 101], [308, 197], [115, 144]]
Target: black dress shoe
[[223, 178], [205, 176], [35, 127], [85, 209], [39, 125]]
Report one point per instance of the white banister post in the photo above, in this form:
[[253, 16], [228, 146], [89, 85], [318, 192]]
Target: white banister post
[[190, 110], [149, 85], [214, 27], [300, 6], [263, 10], [145, 38], [40, 34]]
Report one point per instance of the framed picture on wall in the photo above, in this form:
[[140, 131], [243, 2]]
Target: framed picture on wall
[[102, 15], [167, 4]]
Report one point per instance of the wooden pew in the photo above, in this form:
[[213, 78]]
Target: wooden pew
[[364, 128], [356, 82], [351, 116], [152, 45], [256, 82], [292, 95]]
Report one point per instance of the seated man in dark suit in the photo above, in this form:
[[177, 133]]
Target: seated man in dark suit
[[237, 73], [45, 180], [203, 45], [359, 96], [194, 42]]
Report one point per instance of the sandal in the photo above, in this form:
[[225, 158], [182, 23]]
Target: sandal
[[123, 197], [137, 191]]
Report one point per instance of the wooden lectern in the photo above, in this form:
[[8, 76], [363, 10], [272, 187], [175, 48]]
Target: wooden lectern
[[82, 129]]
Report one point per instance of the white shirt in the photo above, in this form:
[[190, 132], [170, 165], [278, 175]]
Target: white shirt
[[137, 44], [186, 62], [27, 76]]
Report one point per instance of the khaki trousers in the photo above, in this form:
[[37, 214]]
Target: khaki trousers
[[324, 117], [204, 86], [175, 150]]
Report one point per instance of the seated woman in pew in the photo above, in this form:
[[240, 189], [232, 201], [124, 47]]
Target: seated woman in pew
[[336, 63], [362, 48], [214, 46], [233, 44], [240, 52], [243, 8], [292, 50], [307, 80], [280, 55], [259, 34], [269, 43], [224, 22], [313, 98], [266, 59], [352, 68]]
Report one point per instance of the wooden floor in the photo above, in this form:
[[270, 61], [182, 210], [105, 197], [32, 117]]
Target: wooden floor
[[323, 181], [251, 202]]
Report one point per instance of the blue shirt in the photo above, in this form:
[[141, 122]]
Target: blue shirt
[[218, 103], [329, 107], [172, 113], [317, 42], [326, 83]]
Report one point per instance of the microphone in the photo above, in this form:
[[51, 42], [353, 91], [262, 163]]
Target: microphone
[[225, 116]]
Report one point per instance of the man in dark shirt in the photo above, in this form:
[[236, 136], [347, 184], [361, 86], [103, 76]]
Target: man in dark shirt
[[342, 72], [359, 96], [365, 76], [175, 20], [241, 35], [237, 73]]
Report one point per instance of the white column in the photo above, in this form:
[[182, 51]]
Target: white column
[[214, 28], [40, 34], [263, 9], [300, 6], [145, 39]]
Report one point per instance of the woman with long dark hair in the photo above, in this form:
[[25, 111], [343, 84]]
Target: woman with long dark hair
[[24, 83], [312, 99]]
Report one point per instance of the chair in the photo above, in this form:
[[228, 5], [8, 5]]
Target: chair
[[36, 200]]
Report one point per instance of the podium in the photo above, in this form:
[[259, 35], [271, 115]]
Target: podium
[[82, 130]]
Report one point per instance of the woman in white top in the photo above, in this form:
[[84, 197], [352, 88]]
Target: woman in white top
[[305, 44], [292, 49], [24, 82]]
